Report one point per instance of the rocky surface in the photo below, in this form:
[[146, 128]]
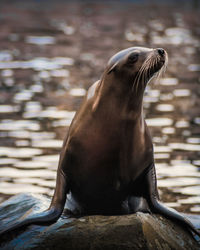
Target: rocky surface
[[137, 231]]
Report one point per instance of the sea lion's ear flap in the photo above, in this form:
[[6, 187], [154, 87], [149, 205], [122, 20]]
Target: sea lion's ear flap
[[112, 68]]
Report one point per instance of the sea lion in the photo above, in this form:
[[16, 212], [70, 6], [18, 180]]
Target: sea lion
[[106, 164]]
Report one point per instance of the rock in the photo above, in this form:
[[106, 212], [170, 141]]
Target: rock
[[136, 231]]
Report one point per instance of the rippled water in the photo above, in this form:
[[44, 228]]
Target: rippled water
[[44, 77]]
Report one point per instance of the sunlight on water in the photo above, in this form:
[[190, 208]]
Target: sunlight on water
[[6, 55], [179, 182], [134, 37], [22, 143], [64, 27], [19, 125], [158, 149], [38, 64], [161, 156], [21, 187], [59, 73], [184, 146], [188, 190], [50, 112], [194, 67], [32, 164], [40, 40], [154, 122], [165, 107], [196, 208], [8, 109], [196, 162], [182, 124], [178, 35], [177, 169], [47, 158], [18, 173], [36, 88], [182, 92], [194, 140], [19, 152], [77, 92], [33, 107], [169, 81], [47, 143], [168, 130], [166, 97], [7, 73], [8, 161], [24, 95]]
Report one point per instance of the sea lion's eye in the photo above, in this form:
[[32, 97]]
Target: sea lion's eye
[[133, 58]]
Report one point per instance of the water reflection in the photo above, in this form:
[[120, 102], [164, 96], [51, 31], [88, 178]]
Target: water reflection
[[38, 64], [194, 67], [9, 109], [165, 107], [158, 122], [50, 112], [7, 161], [185, 147], [63, 26], [174, 36], [47, 143], [182, 124], [168, 130], [32, 164], [182, 92], [169, 81], [77, 92], [19, 152], [18, 173], [6, 55], [7, 73], [36, 88], [40, 40], [19, 125], [24, 95]]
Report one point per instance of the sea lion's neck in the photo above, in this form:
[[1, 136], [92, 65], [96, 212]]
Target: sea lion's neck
[[113, 93], [128, 98]]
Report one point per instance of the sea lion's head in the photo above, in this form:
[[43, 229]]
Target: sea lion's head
[[135, 66], [127, 74]]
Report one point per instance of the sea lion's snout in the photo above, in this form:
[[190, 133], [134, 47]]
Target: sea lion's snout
[[161, 54], [161, 51]]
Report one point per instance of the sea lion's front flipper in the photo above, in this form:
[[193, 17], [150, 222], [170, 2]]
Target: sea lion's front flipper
[[158, 207], [50, 215]]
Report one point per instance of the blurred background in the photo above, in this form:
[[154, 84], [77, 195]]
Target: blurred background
[[50, 54]]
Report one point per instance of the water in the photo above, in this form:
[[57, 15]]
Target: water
[[46, 68], [40, 40]]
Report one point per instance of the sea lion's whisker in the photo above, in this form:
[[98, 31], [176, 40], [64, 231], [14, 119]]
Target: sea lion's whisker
[[143, 72], [149, 68], [137, 78]]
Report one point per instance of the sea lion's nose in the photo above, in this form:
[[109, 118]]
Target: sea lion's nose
[[161, 51]]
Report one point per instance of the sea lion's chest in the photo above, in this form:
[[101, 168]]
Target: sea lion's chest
[[106, 157]]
